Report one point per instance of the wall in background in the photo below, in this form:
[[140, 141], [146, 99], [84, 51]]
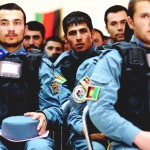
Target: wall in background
[[95, 8]]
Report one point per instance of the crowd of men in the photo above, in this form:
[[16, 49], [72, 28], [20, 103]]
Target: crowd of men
[[110, 78]]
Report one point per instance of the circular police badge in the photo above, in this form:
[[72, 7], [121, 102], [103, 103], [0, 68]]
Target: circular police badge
[[79, 94]]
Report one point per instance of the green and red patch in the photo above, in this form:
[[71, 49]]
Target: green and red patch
[[92, 92]]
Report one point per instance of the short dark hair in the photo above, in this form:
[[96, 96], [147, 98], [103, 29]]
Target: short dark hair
[[114, 9], [36, 26], [56, 39], [76, 17], [131, 6], [13, 6]]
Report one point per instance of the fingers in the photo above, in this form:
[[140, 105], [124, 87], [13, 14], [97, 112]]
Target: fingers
[[98, 136], [42, 126], [29, 114], [42, 121]]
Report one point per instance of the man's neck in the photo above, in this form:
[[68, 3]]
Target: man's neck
[[12, 49]]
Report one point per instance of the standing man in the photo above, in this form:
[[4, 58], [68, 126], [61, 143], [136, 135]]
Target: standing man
[[34, 38], [28, 91], [115, 20], [122, 109], [54, 46], [78, 31]]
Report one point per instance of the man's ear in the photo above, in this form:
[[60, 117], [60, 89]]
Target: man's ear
[[92, 33], [44, 40], [130, 22], [107, 29], [65, 38], [26, 29]]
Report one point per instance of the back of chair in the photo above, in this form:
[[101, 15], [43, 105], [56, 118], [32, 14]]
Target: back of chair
[[85, 116], [61, 133], [65, 131], [66, 110]]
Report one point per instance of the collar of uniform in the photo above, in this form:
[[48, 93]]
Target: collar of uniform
[[78, 55], [45, 55], [139, 43], [20, 51], [110, 43], [3, 52]]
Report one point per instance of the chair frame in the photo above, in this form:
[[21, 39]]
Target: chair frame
[[85, 116]]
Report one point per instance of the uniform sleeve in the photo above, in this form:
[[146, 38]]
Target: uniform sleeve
[[64, 93], [75, 116], [102, 112], [48, 95]]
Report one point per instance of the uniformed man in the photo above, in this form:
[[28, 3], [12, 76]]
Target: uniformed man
[[25, 83]]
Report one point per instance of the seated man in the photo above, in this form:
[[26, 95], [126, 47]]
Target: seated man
[[78, 31], [122, 110], [25, 88]]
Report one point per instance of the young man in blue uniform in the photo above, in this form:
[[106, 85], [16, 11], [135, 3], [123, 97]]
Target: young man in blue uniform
[[78, 31], [82, 77], [124, 117], [78, 28], [26, 90]]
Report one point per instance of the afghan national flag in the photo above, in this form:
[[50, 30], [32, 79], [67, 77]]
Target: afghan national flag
[[92, 92], [51, 21]]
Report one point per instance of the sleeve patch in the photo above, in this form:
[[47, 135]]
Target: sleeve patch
[[55, 87], [92, 92], [85, 81]]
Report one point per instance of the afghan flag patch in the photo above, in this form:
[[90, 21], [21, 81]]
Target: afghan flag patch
[[92, 92], [55, 87], [60, 79]]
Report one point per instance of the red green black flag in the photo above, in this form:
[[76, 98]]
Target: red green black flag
[[51, 21]]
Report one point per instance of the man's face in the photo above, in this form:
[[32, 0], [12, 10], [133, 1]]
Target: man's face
[[141, 22], [53, 48], [79, 37], [33, 40], [97, 38], [11, 29], [116, 25]]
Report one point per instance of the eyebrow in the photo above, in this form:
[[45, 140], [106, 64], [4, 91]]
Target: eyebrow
[[3, 20], [8, 20], [124, 20], [144, 13], [117, 21]]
